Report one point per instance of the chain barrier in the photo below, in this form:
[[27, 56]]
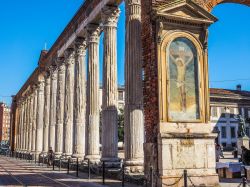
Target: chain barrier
[[175, 183], [94, 169], [189, 178], [172, 184]]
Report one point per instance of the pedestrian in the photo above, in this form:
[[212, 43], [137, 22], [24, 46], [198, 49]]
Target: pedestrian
[[218, 152], [50, 156], [245, 156]]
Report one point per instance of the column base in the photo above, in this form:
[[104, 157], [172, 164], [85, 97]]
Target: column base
[[94, 159], [66, 155], [43, 154], [58, 155], [79, 156], [134, 166], [112, 162]]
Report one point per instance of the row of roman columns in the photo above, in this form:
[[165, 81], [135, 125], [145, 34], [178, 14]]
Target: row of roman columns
[[61, 110]]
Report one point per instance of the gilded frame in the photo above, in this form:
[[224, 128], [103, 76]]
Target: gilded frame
[[167, 38]]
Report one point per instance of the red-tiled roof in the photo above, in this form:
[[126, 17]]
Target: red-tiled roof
[[229, 92]]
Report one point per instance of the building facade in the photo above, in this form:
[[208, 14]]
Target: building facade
[[4, 122], [225, 105]]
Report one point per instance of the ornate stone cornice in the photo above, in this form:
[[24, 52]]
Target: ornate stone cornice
[[110, 16], [93, 33]]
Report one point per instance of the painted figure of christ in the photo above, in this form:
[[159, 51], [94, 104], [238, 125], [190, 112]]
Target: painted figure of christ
[[183, 75]]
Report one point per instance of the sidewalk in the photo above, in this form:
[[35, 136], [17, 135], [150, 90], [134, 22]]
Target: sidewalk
[[21, 169]]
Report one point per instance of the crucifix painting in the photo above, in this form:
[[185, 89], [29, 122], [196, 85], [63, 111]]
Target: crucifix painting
[[183, 81]]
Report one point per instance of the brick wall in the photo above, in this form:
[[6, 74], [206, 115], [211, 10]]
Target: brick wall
[[150, 85]]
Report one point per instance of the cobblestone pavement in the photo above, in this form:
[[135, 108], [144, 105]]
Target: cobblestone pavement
[[15, 172]]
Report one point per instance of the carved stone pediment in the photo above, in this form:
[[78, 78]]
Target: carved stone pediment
[[185, 11]]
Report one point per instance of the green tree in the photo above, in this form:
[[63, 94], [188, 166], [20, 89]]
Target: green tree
[[121, 125]]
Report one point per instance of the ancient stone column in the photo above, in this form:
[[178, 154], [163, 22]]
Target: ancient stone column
[[134, 125], [110, 17], [24, 124], [34, 113], [46, 116], [39, 117], [30, 121], [93, 37], [53, 103], [21, 125], [69, 102], [60, 108], [27, 125], [80, 99]]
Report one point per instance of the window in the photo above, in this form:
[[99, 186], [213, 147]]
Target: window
[[223, 132], [223, 112], [120, 95], [232, 130], [246, 112], [231, 112], [183, 81], [214, 111], [233, 144]]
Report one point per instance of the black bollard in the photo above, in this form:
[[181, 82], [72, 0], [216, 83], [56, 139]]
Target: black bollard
[[53, 164], [68, 166], [244, 182], [103, 172], [123, 175], [60, 164], [77, 168], [89, 169], [185, 178], [43, 160], [151, 176]]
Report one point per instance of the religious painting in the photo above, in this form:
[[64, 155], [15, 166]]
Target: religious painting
[[183, 87]]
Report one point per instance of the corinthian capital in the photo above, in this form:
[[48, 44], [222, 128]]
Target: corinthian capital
[[80, 46], [133, 9], [61, 64], [93, 33], [69, 55], [110, 16]]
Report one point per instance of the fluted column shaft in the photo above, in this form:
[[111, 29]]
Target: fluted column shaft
[[69, 102], [24, 124], [53, 103], [34, 113], [46, 116], [60, 108], [30, 122], [93, 38], [80, 99], [110, 17], [21, 126], [39, 118], [134, 125], [27, 125]]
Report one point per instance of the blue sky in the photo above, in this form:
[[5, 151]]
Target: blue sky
[[27, 25]]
